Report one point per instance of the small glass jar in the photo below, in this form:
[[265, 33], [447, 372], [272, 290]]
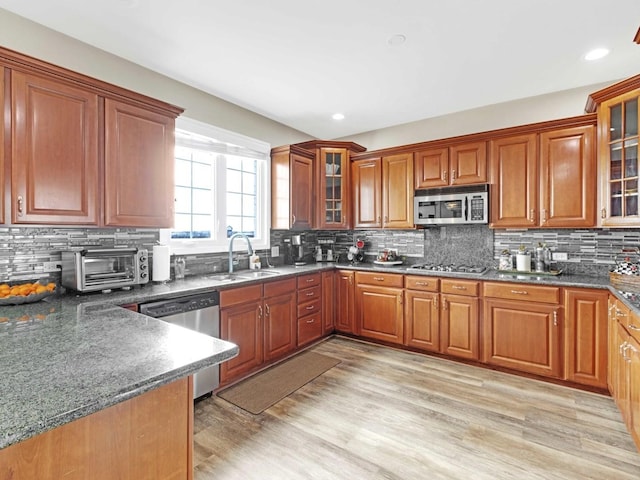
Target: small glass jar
[[505, 262]]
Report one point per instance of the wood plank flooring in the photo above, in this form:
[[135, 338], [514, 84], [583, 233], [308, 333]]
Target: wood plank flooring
[[387, 414]]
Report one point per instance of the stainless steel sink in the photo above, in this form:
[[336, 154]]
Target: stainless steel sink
[[260, 273], [226, 277]]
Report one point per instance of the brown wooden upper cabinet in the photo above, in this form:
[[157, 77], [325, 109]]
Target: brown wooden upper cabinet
[[618, 108], [292, 188], [456, 165], [138, 166], [54, 155], [383, 192], [84, 152], [332, 182], [545, 179]]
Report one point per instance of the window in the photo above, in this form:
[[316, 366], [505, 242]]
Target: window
[[221, 188]]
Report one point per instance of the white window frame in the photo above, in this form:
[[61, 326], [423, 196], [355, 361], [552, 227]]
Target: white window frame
[[220, 242]]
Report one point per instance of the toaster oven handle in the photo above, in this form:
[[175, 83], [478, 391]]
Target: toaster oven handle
[[89, 251]]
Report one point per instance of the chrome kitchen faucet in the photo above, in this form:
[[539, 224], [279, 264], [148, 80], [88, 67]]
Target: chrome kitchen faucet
[[249, 248]]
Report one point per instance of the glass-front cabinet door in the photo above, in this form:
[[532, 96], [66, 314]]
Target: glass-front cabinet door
[[618, 119], [333, 195]]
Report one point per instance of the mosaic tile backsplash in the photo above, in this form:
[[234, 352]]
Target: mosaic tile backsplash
[[23, 251]]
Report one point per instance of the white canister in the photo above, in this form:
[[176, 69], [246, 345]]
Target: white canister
[[523, 262]]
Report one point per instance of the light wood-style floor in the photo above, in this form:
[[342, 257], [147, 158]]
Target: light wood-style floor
[[388, 414]]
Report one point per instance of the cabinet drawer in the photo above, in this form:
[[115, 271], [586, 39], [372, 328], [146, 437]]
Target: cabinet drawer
[[309, 294], [309, 328], [311, 280], [522, 291], [459, 287], [421, 282], [308, 308], [629, 320], [384, 279], [235, 296], [279, 287]]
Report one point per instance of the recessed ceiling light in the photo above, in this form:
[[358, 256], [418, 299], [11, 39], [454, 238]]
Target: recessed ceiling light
[[596, 54], [338, 116], [395, 40]]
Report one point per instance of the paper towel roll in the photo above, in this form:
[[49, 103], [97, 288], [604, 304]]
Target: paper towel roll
[[161, 260]]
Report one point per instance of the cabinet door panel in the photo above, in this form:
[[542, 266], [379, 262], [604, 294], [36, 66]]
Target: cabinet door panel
[[328, 302], [422, 320], [397, 191], [139, 146], [634, 389], [367, 187], [468, 163], [333, 195], [459, 327], [585, 336], [242, 325], [431, 168], [379, 313], [345, 301], [522, 335], [279, 325], [514, 181], [54, 152], [568, 178], [301, 192]]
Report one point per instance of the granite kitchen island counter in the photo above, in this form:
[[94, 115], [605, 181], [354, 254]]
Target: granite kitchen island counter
[[60, 361]]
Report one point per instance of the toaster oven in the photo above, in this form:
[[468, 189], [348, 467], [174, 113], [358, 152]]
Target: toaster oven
[[104, 269]]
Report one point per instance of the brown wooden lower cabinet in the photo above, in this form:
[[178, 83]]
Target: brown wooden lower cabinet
[[422, 320], [148, 437], [328, 301], [279, 310], [345, 302], [459, 326], [585, 336], [310, 324], [379, 306]]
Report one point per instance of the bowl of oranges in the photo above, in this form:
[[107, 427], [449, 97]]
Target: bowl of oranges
[[26, 292]]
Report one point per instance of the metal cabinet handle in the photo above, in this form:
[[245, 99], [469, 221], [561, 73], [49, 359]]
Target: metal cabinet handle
[[293, 220], [309, 280], [631, 326], [555, 319], [603, 213], [520, 292], [422, 284], [260, 311], [458, 287], [310, 294], [444, 304], [379, 279], [620, 313], [444, 175], [20, 202], [310, 307], [532, 215], [311, 321], [267, 310], [453, 175], [544, 215], [435, 303]]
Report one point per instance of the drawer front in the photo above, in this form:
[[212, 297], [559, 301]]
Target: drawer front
[[279, 287], [311, 280], [309, 328], [460, 287], [381, 279], [235, 296], [522, 291], [308, 308], [421, 282], [309, 294]]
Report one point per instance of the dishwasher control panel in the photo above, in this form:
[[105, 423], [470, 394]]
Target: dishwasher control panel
[[164, 308]]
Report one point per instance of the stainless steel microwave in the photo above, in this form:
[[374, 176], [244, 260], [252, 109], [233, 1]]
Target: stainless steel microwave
[[452, 205], [92, 269]]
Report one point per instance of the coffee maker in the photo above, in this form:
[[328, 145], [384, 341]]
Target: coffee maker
[[295, 250]]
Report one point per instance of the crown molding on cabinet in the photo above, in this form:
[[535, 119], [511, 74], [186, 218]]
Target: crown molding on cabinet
[[596, 98]]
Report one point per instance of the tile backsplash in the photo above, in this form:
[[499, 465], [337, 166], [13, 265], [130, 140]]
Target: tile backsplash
[[23, 250]]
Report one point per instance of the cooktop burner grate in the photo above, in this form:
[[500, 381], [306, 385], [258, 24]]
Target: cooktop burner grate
[[465, 269]]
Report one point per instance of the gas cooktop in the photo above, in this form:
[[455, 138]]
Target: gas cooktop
[[464, 269]]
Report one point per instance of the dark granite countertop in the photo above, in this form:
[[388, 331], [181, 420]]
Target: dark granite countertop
[[72, 355]]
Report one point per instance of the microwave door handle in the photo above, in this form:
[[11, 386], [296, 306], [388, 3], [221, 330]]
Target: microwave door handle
[[466, 209]]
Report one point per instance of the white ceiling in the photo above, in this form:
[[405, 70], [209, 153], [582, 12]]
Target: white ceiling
[[298, 62]]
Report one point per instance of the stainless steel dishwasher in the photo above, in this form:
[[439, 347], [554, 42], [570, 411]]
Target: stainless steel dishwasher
[[200, 312]]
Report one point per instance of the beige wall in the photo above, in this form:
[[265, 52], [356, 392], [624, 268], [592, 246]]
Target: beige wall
[[520, 112], [24, 36]]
